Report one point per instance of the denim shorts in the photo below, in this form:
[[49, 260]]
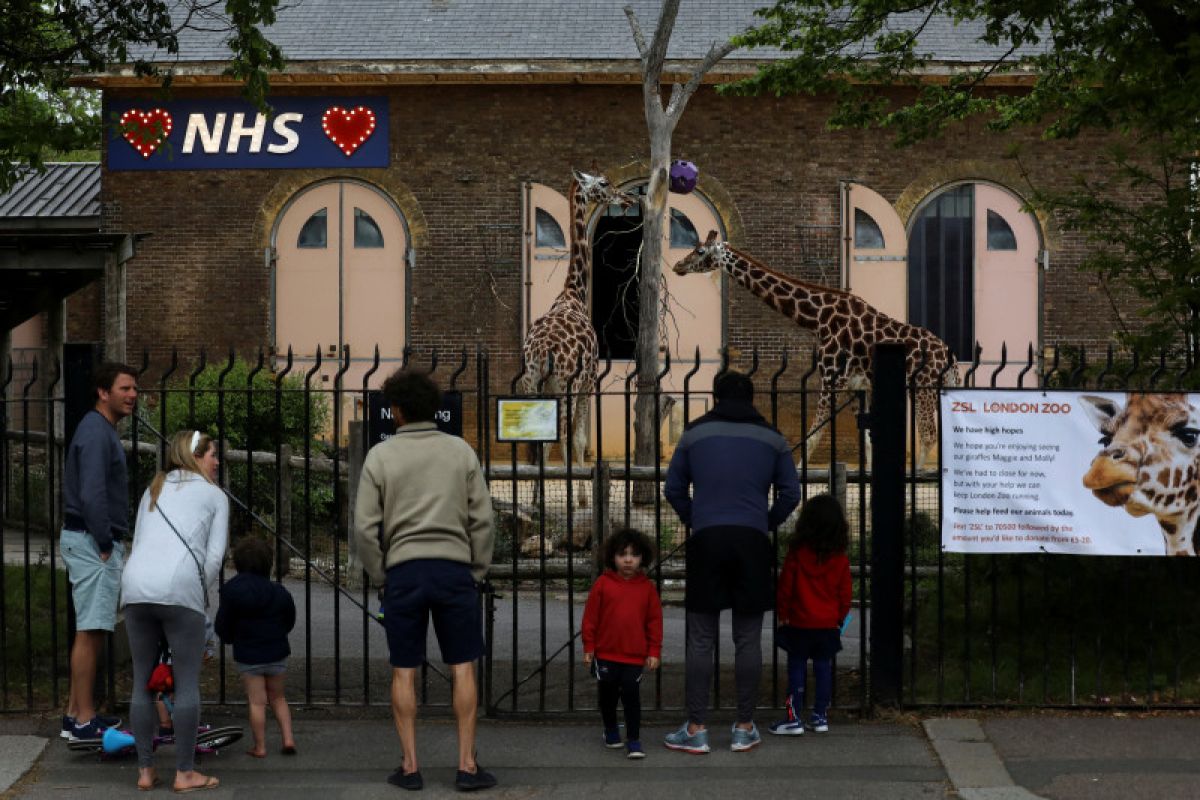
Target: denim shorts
[[429, 587], [95, 584], [269, 670]]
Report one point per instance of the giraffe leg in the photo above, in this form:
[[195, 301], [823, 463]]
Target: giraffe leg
[[925, 436], [816, 431], [580, 445]]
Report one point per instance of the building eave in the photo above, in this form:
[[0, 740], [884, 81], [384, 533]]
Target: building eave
[[383, 73]]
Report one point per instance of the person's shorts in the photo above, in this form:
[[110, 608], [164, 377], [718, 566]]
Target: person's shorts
[[95, 584], [269, 670], [432, 587]]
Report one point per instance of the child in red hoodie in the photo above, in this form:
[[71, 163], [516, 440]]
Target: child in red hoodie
[[812, 600], [622, 632]]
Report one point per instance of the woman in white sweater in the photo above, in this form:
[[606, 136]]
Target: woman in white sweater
[[178, 547]]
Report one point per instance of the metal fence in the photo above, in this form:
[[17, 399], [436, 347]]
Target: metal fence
[[992, 630]]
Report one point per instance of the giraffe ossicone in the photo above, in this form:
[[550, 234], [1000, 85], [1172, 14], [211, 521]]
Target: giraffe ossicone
[[847, 328]]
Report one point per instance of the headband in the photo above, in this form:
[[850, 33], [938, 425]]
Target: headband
[[195, 441]]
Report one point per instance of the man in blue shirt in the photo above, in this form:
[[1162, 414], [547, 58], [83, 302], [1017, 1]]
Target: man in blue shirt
[[730, 458], [95, 527]]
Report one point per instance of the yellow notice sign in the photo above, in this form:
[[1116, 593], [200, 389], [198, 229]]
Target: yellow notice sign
[[527, 419]]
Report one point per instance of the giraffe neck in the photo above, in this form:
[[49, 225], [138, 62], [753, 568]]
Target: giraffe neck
[[795, 299], [1179, 532], [581, 252]]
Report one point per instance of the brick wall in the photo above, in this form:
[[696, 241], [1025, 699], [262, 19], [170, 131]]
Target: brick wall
[[462, 152]]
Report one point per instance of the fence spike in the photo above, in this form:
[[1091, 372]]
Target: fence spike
[[1028, 366], [1003, 363]]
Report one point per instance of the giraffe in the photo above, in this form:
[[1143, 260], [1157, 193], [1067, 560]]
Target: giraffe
[[1150, 462], [562, 342], [846, 327]]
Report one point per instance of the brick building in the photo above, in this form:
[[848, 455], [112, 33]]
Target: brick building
[[445, 227]]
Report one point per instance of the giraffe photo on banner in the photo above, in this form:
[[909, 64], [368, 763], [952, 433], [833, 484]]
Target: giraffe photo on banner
[[1089, 473]]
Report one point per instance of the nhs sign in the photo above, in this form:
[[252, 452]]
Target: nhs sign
[[299, 133]]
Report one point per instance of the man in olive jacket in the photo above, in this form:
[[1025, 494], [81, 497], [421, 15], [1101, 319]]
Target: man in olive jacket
[[424, 528]]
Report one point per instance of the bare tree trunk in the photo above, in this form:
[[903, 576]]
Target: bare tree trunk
[[660, 121]]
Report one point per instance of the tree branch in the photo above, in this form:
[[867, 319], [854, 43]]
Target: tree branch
[[639, 38], [680, 96]]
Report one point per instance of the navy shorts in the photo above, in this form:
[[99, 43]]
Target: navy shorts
[[443, 590]]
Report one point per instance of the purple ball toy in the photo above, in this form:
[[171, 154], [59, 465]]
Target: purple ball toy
[[684, 175]]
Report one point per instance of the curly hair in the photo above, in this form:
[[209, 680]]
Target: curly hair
[[821, 527], [628, 537], [414, 393]]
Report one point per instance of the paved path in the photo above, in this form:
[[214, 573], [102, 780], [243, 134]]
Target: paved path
[[351, 758]]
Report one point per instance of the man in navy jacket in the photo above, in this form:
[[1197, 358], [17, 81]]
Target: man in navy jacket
[[730, 458]]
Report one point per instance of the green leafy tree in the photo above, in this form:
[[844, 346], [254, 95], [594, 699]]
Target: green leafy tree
[[1131, 67], [43, 44]]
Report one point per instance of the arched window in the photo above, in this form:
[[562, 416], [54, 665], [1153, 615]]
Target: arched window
[[549, 234], [314, 234], [366, 232], [867, 234], [683, 232], [999, 233]]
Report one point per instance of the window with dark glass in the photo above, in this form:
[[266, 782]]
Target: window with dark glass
[[314, 234], [999, 234], [941, 267], [549, 233], [366, 231], [867, 235], [683, 232]]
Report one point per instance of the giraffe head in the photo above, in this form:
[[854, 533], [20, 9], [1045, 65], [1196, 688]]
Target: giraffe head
[[706, 256], [595, 188], [1149, 460]]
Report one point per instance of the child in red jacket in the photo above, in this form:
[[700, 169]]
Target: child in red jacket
[[812, 600], [622, 632]]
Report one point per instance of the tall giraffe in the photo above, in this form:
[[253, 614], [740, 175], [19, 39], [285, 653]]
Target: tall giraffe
[[1150, 462], [562, 342], [847, 327]]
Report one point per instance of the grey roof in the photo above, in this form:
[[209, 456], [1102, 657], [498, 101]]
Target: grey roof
[[65, 194], [412, 31]]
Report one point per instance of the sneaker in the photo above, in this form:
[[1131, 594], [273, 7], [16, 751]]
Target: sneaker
[[787, 727], [91, 730], [688, 742], [745, 739], [67, 724], [612, 739], [412, 781], [472, 781], [107, 722], [818, 723], [633, 749]]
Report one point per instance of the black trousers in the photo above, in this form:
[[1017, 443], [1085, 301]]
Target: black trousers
[[617, 681]]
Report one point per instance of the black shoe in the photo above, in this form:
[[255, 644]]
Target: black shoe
[[412, 781], [470, 781]]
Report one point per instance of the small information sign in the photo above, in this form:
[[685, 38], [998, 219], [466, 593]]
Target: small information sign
[[526, 419]]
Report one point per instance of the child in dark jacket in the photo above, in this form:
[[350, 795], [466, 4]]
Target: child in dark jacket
[[255, 617], [812, 599], [622, 633]]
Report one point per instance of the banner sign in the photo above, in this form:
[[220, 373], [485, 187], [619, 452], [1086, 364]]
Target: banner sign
[[230, 133], [1092, 473]]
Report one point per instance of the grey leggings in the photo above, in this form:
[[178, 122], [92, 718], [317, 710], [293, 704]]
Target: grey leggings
[[702, 630], [183, 628]]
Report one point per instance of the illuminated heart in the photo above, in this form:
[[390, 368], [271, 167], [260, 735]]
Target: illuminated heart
[[145, 130], [348, 128]]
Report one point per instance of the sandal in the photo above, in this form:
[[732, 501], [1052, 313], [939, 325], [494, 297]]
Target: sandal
[[209, 783]]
